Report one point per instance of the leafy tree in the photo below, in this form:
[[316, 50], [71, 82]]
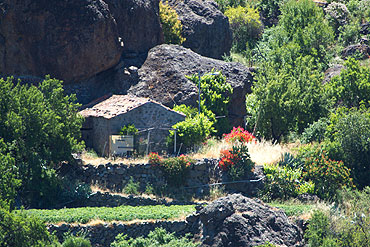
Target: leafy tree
[[20, 229], [40, 127], [349, 132], [302, 31], [287, 98], [9, 183], [215, 99], [246, 26], [171, 25], [305, 25], [352, 86]]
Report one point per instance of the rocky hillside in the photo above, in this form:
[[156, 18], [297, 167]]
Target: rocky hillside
[[98, 47]]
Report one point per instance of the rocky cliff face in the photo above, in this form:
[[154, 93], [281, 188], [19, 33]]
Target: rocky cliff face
[[163, 78], [70, 39], [205, 28], [138, 24]]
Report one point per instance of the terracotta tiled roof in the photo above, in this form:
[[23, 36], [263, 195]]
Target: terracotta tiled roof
[[116, 105]]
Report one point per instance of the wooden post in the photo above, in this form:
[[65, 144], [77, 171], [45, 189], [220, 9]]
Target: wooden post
[[174, 146], [147, 145]]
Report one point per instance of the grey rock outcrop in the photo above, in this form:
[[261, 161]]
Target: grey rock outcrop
[[359, 50], [332, 72], [70, 40], [163, 78], [138, 24], [205, 28], [365, 28], [236, 220]]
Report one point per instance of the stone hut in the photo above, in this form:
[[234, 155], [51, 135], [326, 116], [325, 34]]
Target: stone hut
[[109, 116]]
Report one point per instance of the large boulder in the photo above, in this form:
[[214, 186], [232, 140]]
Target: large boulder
[[236, 220], [70, 39], [205, 28], [163, 78], [138, 24]]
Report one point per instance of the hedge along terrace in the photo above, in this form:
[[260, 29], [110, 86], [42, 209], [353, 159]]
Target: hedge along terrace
[[122, 213]]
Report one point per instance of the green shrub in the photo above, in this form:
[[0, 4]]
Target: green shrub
[[193, 131], [246, 26], [20, 229], [215, 99], [157, 238], [318, 229], [9, 183], [270, 10], [129, 129], [315, 132], [176, 169], [171, 25], [349, 34], [328, 175], [304, 24], [284, 182], [353, 228], [349, 132], [352, 86], [236, 162], [75, 241], [346, 225], [132, 187], [149, 190], [223, 5]]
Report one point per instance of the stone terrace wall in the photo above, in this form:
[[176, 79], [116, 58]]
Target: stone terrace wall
[[102, 235], [116, 176], [107, 199]]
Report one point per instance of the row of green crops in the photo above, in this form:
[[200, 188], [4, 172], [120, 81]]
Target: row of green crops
[[294, 209], [122, 213]]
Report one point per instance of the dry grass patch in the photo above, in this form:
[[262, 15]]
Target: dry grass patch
[[261, 152], [267, 152], [92, 158]]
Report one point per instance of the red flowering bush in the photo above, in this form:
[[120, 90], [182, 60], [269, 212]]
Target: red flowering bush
[[176, 169], [240, 135], [328, 175], [154, 159], [236, 162]]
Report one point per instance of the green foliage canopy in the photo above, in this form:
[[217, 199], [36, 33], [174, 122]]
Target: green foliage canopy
[[246, 26], [20, 229], [40, 127], [215, 99], [352, 86], [287, 98]]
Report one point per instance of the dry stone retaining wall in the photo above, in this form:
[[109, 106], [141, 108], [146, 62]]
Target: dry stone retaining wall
[[116, 176], [102, 235], [107, 199]]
